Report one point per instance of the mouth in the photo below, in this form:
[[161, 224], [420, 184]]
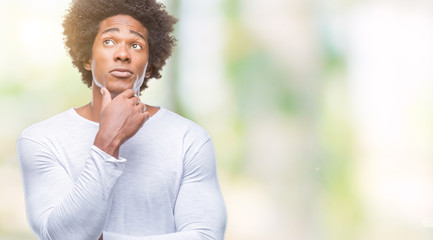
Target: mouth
[[121, 73]]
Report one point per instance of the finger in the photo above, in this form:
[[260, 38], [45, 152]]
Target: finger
[[106, 97], [146, 115], [136, 100], [128, 93], [142, 107]]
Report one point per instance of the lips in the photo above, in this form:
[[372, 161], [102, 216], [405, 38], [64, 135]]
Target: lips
[[121, 73]]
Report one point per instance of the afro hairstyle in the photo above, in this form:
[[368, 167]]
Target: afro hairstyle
[[81, 25]]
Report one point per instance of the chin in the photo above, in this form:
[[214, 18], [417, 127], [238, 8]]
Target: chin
[[119, 88]]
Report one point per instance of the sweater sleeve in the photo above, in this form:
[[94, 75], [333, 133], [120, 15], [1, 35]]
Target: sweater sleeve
[[199, 210], [58, 207]]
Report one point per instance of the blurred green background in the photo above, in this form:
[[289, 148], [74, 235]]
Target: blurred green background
[[321, 111]]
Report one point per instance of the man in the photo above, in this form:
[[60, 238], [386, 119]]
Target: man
[[117, 168]]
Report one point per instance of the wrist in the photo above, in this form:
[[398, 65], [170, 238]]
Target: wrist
[[110, 145]]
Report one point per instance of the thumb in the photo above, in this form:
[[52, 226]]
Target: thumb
[[106, 97]]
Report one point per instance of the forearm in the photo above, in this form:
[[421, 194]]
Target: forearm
[[59, 207], [188, 235], [82, 213], [199, 210], [108, 143]]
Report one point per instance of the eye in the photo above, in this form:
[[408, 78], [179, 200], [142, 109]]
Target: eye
[[136, 46], [108, 42]]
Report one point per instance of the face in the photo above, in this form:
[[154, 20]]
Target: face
[[120, 54]]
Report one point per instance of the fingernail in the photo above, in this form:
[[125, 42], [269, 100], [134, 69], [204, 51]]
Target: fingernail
[[102, 92]]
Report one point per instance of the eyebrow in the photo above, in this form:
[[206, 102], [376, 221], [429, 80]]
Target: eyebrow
[[138, 34], [117, 30]]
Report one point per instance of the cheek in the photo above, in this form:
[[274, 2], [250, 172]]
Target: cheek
[[102, 57], [99, 65], [141, 64], [143, 69], [100, 54]]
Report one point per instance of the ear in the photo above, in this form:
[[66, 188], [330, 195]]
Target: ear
[[148, 71], [88, 65]]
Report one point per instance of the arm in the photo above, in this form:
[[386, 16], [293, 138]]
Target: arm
[[59, 208], [199, 210]]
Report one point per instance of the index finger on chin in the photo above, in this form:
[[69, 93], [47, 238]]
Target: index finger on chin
[[129, 93]]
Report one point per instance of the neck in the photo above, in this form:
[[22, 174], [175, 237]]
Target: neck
[[92, 110], [95, 105]]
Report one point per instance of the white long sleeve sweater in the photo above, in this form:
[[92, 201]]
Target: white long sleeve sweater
[[163, 186]]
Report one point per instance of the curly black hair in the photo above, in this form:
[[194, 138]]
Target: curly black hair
[[81, 25]]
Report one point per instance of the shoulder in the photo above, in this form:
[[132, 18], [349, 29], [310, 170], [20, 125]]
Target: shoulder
[[174, 122], [181, 130], [46, 127]]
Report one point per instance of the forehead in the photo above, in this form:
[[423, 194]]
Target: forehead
[[122, 22]]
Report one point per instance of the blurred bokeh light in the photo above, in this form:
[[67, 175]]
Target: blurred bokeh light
[[321, 111]]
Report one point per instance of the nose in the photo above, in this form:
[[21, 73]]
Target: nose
[[122, 54]]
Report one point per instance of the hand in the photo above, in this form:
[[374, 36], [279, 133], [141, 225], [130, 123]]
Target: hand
[[120, 118]]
